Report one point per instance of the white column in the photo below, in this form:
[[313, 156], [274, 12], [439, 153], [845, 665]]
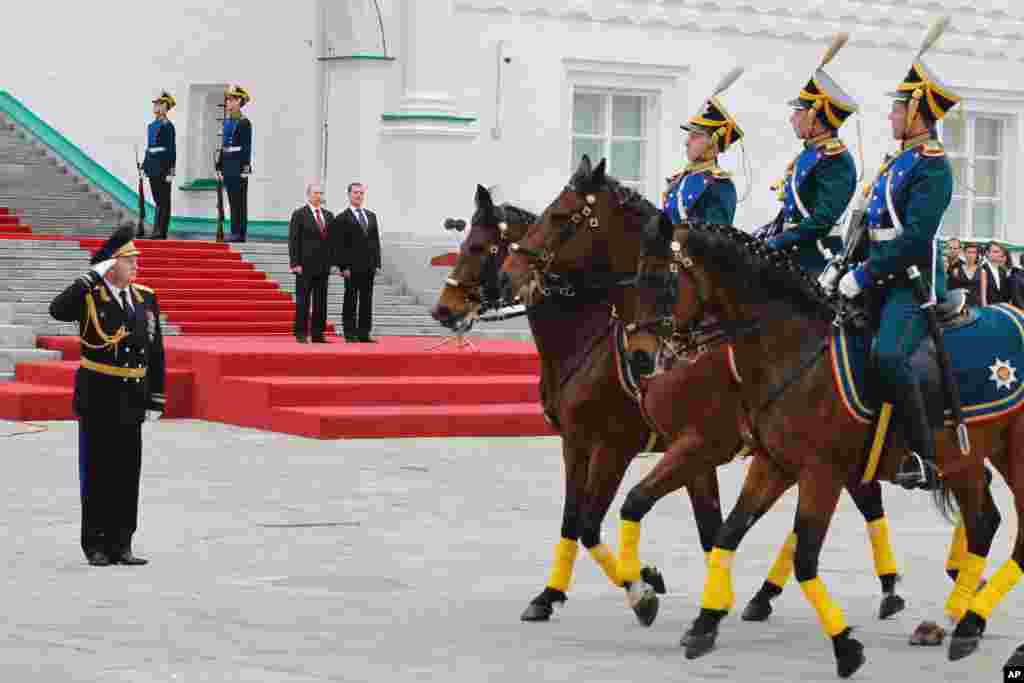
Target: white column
[[428, 57]]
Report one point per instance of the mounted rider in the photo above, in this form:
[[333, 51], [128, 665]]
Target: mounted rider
[[905, 208], [820, 181], [702, 192]]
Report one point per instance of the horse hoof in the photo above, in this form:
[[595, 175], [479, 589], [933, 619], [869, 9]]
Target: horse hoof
[[849, 657], [653, 578], [928, 633], [891, 604], [757, 609], [698, 644], [961, 646], [535, 612], [646, 608]]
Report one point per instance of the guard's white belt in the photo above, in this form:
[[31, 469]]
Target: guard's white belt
[[157, 149], [232, 149], [884, 234]]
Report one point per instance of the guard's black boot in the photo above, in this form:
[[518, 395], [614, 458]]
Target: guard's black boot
[[918, 469]]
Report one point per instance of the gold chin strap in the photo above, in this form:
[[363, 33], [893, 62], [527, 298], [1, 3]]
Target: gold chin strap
[[912, 110]]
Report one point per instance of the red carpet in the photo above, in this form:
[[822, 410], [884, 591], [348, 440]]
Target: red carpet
[[395, 388], [10, 226]]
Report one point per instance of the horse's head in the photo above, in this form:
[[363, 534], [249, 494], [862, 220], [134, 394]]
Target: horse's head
[[474, 279], [592, 228]]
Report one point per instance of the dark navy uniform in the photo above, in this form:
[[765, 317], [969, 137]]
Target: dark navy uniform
[[819, 182], [121, 376], [235, 164], [158, 165], [907, 201], [703, 192]]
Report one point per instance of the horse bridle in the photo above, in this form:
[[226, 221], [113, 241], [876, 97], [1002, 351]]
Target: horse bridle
[[474, 291], [541, 260]]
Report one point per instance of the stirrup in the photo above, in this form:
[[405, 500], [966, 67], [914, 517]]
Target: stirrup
[[912, 475]]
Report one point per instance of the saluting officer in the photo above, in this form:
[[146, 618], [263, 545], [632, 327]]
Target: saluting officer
[[235, 160], [906, 204], [158, 165], [119, 384], [820, 181], [702, 192]]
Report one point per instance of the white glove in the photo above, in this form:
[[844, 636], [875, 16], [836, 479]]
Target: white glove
[[153, 415], [848, 286], [102, 267], [828, 278]]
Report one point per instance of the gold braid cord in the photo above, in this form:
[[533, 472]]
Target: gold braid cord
[[93, 319]]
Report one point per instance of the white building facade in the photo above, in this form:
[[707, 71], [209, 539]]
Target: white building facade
[[423, 99]]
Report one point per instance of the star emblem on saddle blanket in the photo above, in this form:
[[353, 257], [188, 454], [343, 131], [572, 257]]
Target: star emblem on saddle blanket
[[1003, 374]]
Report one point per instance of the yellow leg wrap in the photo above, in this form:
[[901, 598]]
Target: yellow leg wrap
[[966, 585], [718, 593], [629, 551], [565, 558], [782, 569], [829, 613], [881, 548], [605, 559], [957, 548], [1001, 583]]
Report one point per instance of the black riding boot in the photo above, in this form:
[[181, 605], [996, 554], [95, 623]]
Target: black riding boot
[[918, 469]]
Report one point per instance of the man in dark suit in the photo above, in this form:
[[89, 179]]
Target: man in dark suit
[[310, 256], [119, 384], [357, 253]]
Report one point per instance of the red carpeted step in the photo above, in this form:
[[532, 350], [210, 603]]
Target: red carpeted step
[[353, 422], [5, 211], [186, 269], [191, 245], [69, 346], [8, 219], [241, 327], [22, 401], [338, 391], [15, 230], [186, 265], [180, 254], [183, 317], [23, 236], [223, 284], [61, 373]]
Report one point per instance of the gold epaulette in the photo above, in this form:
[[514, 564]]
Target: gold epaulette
[[719, 173], [832, 147], [933, 148], [144, 288]]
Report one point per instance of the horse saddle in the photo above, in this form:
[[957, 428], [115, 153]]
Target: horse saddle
[[985, 346]]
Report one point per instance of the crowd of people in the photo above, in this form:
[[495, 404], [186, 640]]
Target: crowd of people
[[987, 272]]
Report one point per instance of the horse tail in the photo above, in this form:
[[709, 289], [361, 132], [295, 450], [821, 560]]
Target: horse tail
[[945, 502]]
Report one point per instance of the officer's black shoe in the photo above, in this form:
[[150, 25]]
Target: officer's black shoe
[[319, 340], [131, 560], [918, 469], [99, 558], [301, 340]]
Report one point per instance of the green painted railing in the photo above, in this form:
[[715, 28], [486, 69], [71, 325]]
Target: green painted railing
[[124, 195]]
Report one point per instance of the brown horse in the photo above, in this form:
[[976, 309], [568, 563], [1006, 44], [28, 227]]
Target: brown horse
[[780, 323], [698, 393], [601, 425]]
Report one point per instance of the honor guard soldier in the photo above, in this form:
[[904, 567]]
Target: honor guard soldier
[[158, 165], [906, 203], [820, 181], [235, 160], [702, 192], [119, 384]]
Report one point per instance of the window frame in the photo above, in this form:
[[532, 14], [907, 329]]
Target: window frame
[[962, 186], [608, 137]]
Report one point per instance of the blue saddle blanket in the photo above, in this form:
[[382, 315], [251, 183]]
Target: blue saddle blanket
[[987, 357]]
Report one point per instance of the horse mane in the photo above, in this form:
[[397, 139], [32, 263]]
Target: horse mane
[[584, 181], [755, 274], [490, 214], [517, 215]]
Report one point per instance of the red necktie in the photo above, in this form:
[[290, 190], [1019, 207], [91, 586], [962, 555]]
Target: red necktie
[[320, 222]]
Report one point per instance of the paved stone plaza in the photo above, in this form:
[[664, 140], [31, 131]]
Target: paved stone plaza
[[277, 558]]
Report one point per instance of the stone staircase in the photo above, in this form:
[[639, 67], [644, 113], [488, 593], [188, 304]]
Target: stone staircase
[[45, 192], [18, 343], [33, 272]]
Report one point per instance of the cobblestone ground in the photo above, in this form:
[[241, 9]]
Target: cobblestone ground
[[275, 558]]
